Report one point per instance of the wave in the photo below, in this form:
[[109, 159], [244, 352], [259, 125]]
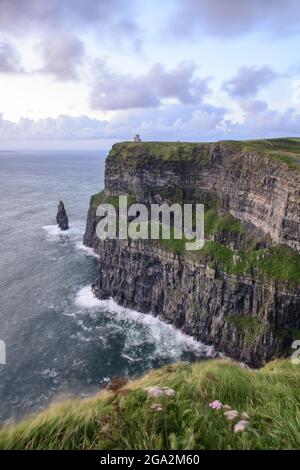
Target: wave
[[168, 340], [88, 251], [54, 233]]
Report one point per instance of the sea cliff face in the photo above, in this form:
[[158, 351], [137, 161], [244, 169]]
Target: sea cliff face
[[241, 292]]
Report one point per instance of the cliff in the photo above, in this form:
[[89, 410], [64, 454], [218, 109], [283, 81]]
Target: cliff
[[241, 292]]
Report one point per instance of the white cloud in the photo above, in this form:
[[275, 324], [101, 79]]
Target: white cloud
[[61, 56], [296, 92], [249, 80], [10, 61], [112, 91], [172, 122]]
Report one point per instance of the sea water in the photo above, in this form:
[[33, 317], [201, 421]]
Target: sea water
[[60, 340]]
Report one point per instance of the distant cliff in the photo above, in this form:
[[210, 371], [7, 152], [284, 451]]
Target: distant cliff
[[241, 292]]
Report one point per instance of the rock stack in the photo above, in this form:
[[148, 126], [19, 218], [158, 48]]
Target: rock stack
[[62, 218]]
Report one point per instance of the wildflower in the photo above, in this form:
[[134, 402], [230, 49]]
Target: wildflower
[[227, 407], [154, 391], [231, 414], [241, 426], [215, 405], [245, 415], [169, 392], [156, 407]]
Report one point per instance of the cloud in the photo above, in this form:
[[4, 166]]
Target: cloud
[[260, 121], [249, 80], [9, 59], [114, 17], [62, 127], [61, 56], [111, 91], [229, 18], [172, 122]]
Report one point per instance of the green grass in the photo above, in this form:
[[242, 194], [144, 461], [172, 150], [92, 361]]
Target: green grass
[[286, 150], [214, 223], [174, 245], [124, 419], [279, 262], [248, 325], [161, 150]]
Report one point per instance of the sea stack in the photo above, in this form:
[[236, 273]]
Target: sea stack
[[62, 218]]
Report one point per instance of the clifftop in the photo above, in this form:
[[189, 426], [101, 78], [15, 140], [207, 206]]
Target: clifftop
[[285, 150]]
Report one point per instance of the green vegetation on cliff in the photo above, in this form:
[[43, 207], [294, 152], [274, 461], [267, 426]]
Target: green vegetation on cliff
[[279, 262], [250, 326], [214, 223], [125, 418], [286, 150], [172, 151]]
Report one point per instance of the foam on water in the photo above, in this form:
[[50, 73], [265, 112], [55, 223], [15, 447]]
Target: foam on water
[[53, 232], [86, 249], [168, 340]]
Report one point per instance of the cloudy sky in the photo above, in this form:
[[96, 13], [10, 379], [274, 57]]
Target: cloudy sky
[[87, 73]]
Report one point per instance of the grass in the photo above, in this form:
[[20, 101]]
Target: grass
[[123, 419], [214, 223], [286, 150], [172, 244], [251, 326], [173, 151], [279, 262]]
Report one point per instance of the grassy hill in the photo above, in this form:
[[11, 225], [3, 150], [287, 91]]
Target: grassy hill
[[176, 414]]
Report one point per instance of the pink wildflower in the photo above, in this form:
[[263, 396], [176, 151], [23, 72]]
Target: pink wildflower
[[231, 414], [215, 405], [156, 407], [169, 392], [241, 426], [154, 391]]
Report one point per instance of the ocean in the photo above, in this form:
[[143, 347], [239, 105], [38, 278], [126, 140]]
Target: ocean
[[60, 340]]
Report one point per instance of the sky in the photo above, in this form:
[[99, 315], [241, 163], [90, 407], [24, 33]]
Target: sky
[[83, 74]]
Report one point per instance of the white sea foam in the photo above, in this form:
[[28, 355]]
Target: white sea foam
[[53, 232], [52, 373], [86, 299], [87, 250], [169, 341]]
